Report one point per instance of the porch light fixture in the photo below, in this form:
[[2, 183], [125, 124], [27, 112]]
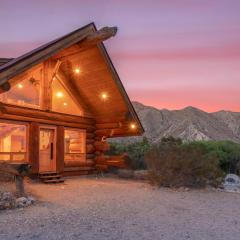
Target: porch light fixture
[[59, 94], [20, 85]]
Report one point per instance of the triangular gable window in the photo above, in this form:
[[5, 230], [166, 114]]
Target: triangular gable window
[[25, 91], [62, 101]]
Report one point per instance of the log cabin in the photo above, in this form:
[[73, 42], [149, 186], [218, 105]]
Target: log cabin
[[60, 102]]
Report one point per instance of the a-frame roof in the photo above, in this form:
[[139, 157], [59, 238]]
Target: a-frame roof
[[88, 43]]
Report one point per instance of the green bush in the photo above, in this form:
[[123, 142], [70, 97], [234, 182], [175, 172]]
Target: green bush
[[227, 152], [174, 163], [135, 152], [190, 165]]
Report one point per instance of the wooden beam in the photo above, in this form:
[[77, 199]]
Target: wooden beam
[[55, 69], [5, 87], [88, 128], [124, 131], [92, 39], [46, 89], [108, 125], [6, 109], [98, 36]]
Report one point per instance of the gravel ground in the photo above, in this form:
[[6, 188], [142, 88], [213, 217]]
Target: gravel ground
[[110, 208]]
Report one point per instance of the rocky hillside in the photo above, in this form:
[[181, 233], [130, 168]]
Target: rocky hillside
[[189, 123]]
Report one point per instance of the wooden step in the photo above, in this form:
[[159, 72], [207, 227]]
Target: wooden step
[[50, 176], [53, 180]]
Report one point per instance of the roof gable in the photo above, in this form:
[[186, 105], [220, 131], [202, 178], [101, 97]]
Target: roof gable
[[26, 61], [89, 41]]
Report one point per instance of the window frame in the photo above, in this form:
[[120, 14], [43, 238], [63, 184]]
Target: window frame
[[29, 106], [84, 154], [26, 135]]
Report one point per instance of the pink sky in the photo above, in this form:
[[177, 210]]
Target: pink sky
[[169, 54]]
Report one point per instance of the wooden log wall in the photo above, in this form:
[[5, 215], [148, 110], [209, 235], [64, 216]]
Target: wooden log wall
[[33, 146], [90, 148], [60, 149]]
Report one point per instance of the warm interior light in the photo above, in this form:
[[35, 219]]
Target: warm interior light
[[104, 96], [133, 126], [20, 85], [59, 94], [77, 70], [65, 104]]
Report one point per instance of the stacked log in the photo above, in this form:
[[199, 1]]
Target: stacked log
[[106, 162]]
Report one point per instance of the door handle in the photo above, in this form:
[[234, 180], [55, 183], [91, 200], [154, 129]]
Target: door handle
[[51, 151]]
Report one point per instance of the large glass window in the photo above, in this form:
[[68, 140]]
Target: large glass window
[[75, 145], [25, 92], [13, 142], [62, 101]]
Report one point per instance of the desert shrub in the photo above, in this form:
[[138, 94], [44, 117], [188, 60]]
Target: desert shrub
[[175, 165], [135, 152], [227, 152], [171, 140]]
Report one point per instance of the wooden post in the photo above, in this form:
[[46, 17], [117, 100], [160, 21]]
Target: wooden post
[[60, 149], [20, 186], [46, 89]]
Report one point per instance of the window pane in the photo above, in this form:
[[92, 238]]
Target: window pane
[[26, 92], [12, 142], [62, 101], [74, 141], [75, 145]]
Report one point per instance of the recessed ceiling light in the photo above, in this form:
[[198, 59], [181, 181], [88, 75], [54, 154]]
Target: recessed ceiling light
[[104, 96], [133, 126], [59, 94], [77, 70], [20, 85]]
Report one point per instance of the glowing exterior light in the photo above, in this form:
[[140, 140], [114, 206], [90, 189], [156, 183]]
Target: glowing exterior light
[[59, 94], [132, 126], [65, 104], [77, 70], [20, 85], [104, 96]]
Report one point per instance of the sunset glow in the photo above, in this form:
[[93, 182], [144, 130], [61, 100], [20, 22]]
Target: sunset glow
[[169, 54]]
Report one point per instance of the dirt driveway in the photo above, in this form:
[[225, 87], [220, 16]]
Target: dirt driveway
[[109, 208]]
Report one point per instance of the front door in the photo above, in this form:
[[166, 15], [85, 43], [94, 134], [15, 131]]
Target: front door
[[47, 149]]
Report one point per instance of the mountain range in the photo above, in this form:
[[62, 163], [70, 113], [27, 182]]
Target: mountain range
[[189, 123]]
